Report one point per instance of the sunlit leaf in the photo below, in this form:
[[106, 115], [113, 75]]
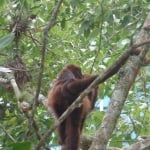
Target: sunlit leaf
[[6, 40]]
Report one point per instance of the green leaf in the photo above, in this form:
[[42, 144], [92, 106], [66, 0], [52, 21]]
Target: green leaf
[[21, 146], [63, 23], [6, 40], [2, 3]]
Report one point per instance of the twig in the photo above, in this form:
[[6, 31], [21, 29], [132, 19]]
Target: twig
[[100, 36], [38, 43], [10, 136], [50, 24]]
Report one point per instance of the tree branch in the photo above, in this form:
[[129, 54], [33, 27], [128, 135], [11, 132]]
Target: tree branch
[[142, 145], [48, 27], [50, 24]]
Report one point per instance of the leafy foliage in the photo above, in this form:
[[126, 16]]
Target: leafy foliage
[[89, 33], [6, 40]]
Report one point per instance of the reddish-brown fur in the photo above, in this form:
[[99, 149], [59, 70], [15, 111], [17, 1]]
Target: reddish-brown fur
[[67, 88]]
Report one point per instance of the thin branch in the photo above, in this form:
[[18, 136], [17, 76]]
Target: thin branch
[[38, 43], [10, 136], [144, 144], [100, 35], [16, 89], [50, 24]]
